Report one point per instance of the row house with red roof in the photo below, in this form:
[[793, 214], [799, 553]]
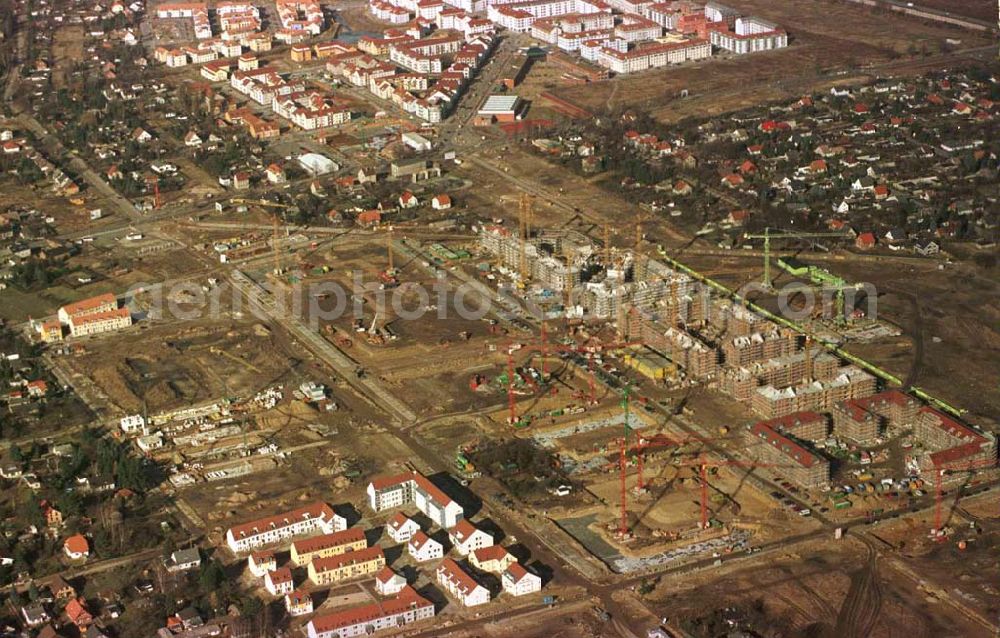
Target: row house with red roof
[[650, 56], [305, 16], [305, 550], [316, 517], [388, 12], [354, 564], [263, 85], [311, 110], [865, 419], [461, 585], [405, 609]]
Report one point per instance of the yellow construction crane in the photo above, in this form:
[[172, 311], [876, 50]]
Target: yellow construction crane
[[782, 234], [274, 223]]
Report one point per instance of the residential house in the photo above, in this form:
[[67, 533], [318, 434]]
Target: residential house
[[276, 174], [492, 559], [35, 614], [78, 614], [441, 202], [298, 603], [461, 585], [423, 548], [60, 589], [185, 559], [308, 549], [466, 537], [401, 528], [312, 518], [407, 608], [332, 569], [388, 582], [865, 241], [279, 581], [408, 200], [394, 491], [518, 581], [241, 181], [261, 563], [76, 547]]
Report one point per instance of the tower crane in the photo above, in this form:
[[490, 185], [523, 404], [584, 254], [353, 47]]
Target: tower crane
[[274, 221], [940, 469], [768, 235]]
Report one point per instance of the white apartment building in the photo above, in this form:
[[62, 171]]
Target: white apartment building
[[100, 322], [423, 548], [401, 528], [315, 518], [518, 581], [461, 585], [408, 607], [467, 538], [394, 491]]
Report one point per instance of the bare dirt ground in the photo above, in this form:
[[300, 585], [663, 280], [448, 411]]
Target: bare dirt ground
[[834, 590], [979, 9], [830, 44], [67, 48], [173, 365]]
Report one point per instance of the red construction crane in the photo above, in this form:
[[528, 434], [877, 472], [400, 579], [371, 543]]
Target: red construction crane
[[662, 441], [704, 463], [939, 471], [544, 348]]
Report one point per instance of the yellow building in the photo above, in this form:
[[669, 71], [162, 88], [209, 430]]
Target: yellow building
[[492, 559], [651, 364], [50, 331], [333, 569], [348, 540]]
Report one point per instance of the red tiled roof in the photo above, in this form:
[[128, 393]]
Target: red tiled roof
[[385, 575], [326, 541], [95, 317], [791, 420], [457, 575], [787, 446], [408, 598], [328, 563], [88, 305], [419, 539], [77, 544], [493, 552], [517, 571], [252, 528], [462, 530], [280, 575]]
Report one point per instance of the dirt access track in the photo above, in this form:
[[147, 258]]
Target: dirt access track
[[830, 43]]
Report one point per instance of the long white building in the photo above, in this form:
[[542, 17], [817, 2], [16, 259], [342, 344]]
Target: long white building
[[653, 56], [311, 519]]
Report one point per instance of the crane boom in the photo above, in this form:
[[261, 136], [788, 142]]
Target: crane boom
[[767, 236]]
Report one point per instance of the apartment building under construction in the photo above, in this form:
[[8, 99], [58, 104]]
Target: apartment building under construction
[[780, 372], [850, 382]]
